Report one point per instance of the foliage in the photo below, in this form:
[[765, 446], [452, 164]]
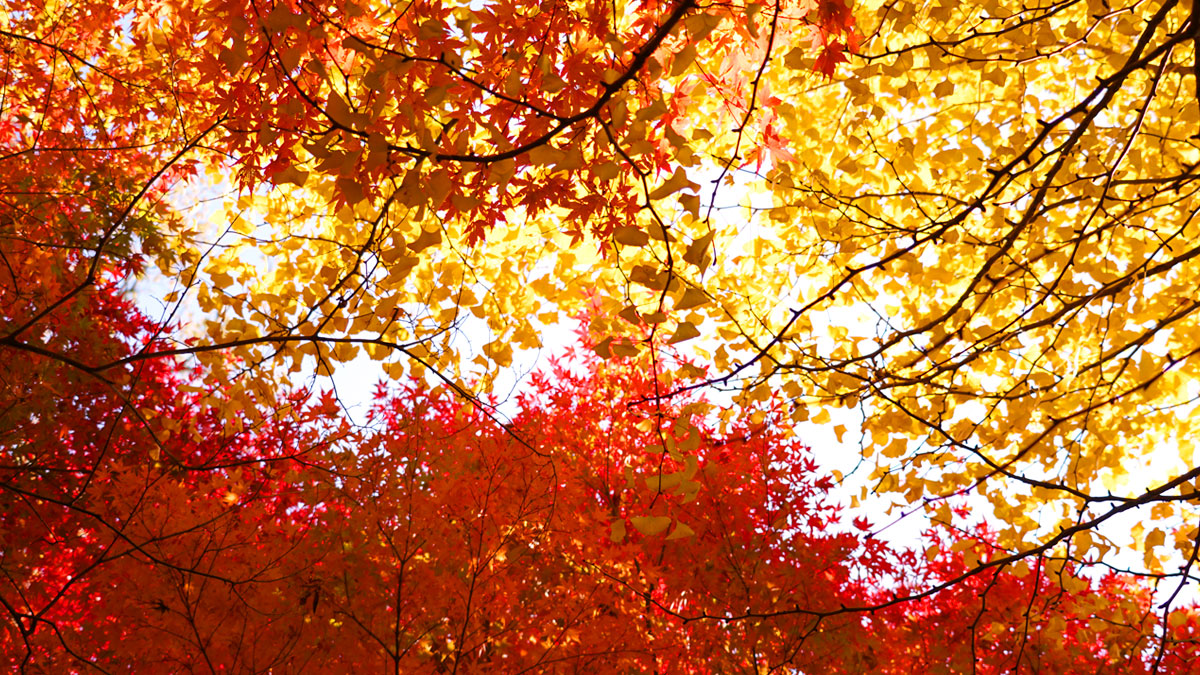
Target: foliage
[[972, 223], [436, 541], [123, 495], [995, 264]]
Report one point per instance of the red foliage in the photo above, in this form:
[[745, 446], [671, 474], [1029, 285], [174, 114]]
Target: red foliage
[[500, 549], [436, 541]]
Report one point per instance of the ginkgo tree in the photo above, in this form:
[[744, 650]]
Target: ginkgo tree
[[991, 256]]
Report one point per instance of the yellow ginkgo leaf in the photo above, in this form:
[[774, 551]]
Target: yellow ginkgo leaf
[[651, 525], [681, 531], [685, 331], [617, 531]]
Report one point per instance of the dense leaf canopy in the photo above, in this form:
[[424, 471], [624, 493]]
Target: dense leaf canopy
[[970, 224], [144, 535]]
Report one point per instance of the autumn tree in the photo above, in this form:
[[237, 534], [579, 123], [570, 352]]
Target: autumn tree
[[396, 171], [993, 261], [150, 537], [970, 223], [119, 485], [561, 543], [124, 498]]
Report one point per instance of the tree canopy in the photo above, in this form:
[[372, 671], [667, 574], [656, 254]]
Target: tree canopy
[[433, 540], [971, 224]]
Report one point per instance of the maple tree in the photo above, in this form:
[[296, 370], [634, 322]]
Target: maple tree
[[972, 223], [369, 145], [433, 540]]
